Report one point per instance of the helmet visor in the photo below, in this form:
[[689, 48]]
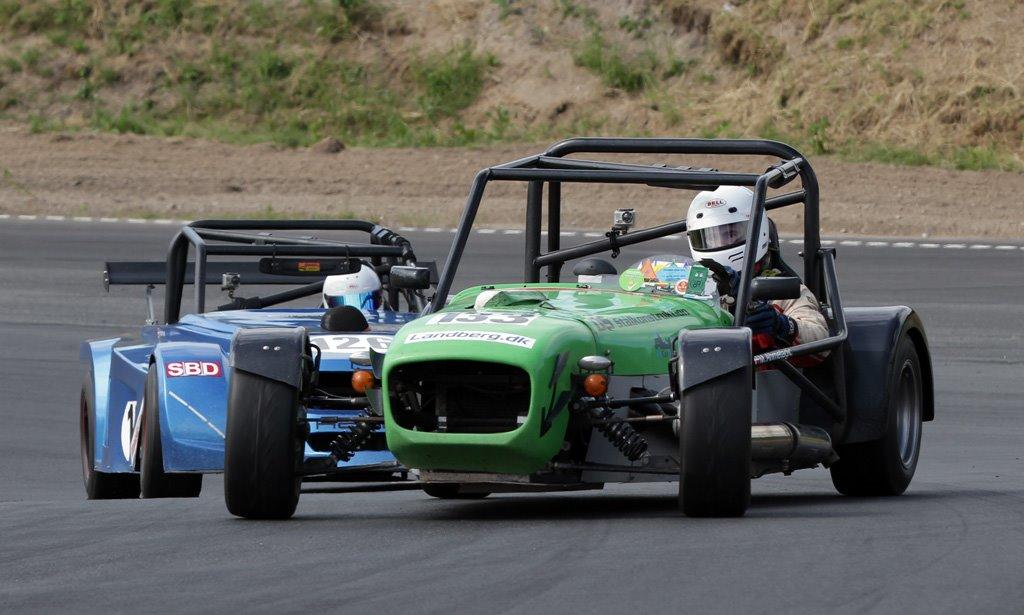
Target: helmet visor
[[718, 237], [363, 301]]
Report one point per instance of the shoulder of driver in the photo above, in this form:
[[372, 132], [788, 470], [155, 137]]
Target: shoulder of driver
[[806, 312]]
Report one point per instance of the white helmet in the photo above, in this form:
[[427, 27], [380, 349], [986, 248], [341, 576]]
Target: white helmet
[[361, 289], [716, 226]]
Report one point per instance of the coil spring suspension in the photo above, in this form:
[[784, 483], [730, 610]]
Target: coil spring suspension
[[345, 445], [621, 435]]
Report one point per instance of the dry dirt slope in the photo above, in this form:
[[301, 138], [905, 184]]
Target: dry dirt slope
[[128, 175], [914, 81]]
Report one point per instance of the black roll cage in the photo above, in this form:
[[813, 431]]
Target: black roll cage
[[237, 238], [553, 169]]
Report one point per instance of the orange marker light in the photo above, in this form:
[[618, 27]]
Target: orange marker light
[[596, 385], [362, 381]]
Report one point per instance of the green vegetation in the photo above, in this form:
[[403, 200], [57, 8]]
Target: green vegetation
[[869, 81], [614, 68], [257, 71], [451, 81]]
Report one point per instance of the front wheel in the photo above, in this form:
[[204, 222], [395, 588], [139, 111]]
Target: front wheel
[[263, 448], [714, 443], [154, 481], [886, 466]]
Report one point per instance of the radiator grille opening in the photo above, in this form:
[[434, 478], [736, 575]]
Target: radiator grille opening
[[459, 396]]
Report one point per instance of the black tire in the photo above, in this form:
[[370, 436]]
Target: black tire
[[99, 485], [452, 491], [263, 448], [885, 467], [714, 442], [154, 482]]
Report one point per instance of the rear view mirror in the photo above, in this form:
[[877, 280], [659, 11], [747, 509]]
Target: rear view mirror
[[772, 289], [312, 266], [410, 278]]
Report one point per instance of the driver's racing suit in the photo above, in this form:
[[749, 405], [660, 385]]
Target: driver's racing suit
[[805, 313], [810, 323]]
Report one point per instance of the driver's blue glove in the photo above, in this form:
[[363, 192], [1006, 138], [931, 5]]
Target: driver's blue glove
[[734, 281], [764, 318], [726, 278]]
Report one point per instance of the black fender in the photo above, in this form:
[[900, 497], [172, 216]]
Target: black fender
[[706, 354], [273, 352], [870, 347]]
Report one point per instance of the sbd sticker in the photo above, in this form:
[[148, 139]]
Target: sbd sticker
[[193, 368]]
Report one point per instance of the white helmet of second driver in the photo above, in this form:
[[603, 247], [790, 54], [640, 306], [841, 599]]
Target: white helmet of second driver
[[361, 289], [716, 226]]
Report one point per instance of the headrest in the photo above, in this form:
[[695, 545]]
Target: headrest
[[594, 266], [344, 318]]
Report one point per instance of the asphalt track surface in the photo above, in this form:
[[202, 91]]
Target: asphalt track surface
[[953, 543]]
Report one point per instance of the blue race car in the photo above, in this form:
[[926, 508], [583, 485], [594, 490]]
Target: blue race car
[[153, 407]]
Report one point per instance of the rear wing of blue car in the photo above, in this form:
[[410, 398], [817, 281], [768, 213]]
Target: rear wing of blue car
[[155, 273], [283, 260]]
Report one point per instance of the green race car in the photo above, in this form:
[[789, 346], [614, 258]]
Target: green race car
[[613, 377]]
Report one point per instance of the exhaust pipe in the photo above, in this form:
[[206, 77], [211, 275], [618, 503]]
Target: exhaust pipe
[[800, 446]]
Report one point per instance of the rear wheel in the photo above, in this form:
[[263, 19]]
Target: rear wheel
[[886, 466], [155, 482], [452, 491], [99, 485], [263, 448], [714, 441]]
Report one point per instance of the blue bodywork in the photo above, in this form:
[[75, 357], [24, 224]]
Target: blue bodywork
[[191, 358]]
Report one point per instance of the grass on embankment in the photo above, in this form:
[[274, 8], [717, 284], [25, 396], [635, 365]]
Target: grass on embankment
[[239, 72], [862, 79]]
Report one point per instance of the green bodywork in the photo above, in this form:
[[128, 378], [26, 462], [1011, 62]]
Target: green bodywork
[[531, 326]]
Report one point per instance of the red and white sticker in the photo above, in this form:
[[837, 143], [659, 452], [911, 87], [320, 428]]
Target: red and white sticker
[[194, 368], [717, 202]]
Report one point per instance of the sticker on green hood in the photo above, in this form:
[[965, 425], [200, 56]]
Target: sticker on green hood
[[631, 279]]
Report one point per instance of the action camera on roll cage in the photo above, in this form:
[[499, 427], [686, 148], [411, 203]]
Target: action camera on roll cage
[[623, 220]]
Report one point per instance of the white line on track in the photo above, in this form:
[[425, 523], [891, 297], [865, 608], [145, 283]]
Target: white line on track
[[491, 231]]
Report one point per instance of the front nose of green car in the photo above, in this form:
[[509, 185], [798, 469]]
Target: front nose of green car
[[476, 400]]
